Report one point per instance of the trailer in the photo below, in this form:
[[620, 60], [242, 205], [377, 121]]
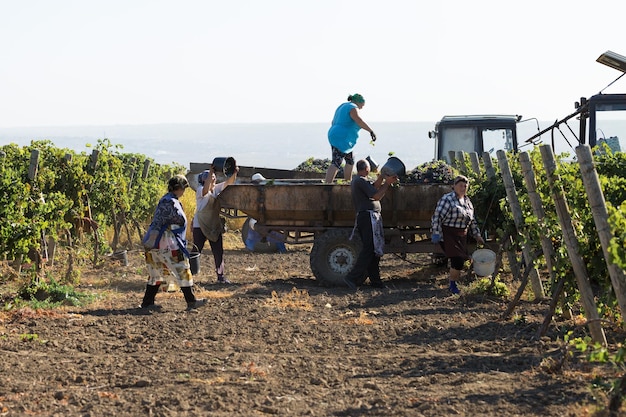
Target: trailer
[[304, 211]]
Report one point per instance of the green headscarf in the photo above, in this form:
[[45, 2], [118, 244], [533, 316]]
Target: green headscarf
[[356, 98]]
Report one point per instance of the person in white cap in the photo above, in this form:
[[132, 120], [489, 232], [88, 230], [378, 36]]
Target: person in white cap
[[207, 223], [255, 237]]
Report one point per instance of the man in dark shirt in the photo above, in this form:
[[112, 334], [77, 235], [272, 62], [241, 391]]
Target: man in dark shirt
[[366, 196]]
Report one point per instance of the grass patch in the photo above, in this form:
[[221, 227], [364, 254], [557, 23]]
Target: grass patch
[[40, 294]]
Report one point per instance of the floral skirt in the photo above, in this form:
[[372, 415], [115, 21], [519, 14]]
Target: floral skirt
[[168, 266]]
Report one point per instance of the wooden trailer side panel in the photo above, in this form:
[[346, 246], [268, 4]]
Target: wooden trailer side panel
[[324, 205]]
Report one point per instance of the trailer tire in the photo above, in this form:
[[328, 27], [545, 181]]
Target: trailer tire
[[333, 255]]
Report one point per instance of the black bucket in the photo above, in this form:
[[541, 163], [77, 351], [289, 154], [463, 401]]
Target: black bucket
[[393, 167], [226, 165], [373, 164], [194, 262]]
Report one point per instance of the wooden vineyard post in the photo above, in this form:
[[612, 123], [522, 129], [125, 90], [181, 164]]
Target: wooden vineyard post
[[146, 168], [489, 170], [510, 254], [535, 202], [133, 172], [520, 291], [518, 218], [93, 164], [34, 164], [600, 218], [475, 162], [33, 169], [569, 236], [452, 158], [460, 162], [116, 229], [93, 160], [546, 243]]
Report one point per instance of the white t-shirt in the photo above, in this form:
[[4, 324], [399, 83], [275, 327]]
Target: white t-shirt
[[202, 201]]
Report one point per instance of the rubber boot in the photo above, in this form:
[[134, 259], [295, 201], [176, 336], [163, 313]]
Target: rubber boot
[[192, 302], [189, 295], [453, 288], [150, 294]]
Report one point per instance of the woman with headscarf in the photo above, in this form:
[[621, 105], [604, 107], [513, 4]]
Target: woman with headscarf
[[451, 221], [165, 246], [343, 134], [207, 223]]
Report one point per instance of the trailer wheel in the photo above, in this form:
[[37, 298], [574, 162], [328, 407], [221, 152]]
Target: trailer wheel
[[333, 255]]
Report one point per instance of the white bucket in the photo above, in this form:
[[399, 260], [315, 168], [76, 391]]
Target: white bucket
[[484, 262]]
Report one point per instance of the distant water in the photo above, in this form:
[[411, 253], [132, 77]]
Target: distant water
[[267, 145]]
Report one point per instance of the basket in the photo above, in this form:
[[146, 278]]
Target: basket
[[484, 262]]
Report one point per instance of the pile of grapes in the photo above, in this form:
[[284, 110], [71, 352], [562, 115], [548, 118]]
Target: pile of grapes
[[433, 172], [314, 165]]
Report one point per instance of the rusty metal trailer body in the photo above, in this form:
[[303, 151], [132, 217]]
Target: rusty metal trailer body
[[323, 214]]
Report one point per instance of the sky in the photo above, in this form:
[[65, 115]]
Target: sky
[[118, 62]]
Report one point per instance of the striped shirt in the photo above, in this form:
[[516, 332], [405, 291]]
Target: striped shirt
[[451, 212]]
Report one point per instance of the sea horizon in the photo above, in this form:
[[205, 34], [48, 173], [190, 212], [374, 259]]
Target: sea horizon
[[264, 145], [268, 145]]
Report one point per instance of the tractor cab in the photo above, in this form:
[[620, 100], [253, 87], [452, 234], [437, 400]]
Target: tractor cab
[[607, 120], [601, 117], [475, 133]]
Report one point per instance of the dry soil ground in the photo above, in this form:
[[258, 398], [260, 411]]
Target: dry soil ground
[[274, 342]]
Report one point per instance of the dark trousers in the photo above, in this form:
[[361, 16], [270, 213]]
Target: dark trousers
[[217, 248], [367, 263]]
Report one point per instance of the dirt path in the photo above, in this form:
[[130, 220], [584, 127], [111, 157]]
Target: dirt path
[[276, 343]]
